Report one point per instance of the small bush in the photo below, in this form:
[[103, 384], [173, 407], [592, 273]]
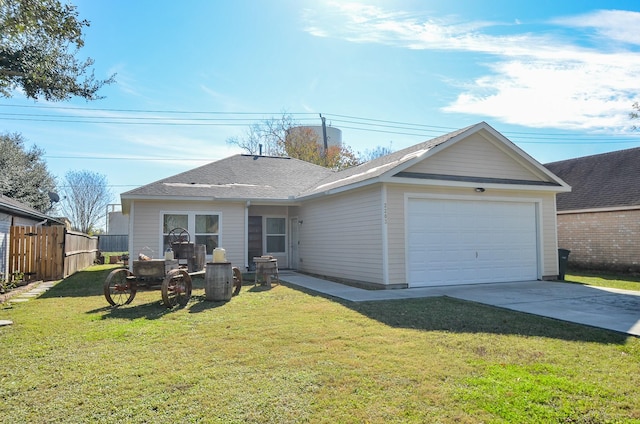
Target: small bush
[[11, 283]]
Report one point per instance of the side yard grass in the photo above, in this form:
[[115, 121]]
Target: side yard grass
[[602, 279], [284, 355]]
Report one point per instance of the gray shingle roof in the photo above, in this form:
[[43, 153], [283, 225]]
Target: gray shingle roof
[[239, 177], [600, 181], [14, 207], [249, 177], [379, 166], [272, 178]]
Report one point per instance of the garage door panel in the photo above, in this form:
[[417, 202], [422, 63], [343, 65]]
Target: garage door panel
[[466, 242]]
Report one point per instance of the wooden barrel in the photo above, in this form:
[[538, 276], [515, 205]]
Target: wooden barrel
[[182, 250], [218, 281], [196, 262]]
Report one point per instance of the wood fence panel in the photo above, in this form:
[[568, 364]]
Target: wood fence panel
[[35, 252], [18, 261], [79, 251], [49, 253]]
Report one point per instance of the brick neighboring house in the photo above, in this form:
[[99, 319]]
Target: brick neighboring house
[[599, 220]]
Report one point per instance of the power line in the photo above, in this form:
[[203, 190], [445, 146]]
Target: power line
[[142, 159], [148, 118], [140, 121], [156, 111], [249, 118]]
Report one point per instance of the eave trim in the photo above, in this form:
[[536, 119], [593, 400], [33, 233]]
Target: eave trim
[[470, 179]]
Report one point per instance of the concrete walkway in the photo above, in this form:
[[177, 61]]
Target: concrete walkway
[[35, 291], [611, 309]]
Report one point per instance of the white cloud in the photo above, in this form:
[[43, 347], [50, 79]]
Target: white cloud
[[573, 94], [536, 80], [619, 25]]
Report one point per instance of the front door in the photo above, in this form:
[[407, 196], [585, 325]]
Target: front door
[[293, 242], [255, 238]]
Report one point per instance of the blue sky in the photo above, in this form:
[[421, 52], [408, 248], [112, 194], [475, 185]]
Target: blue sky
[[557, 78]]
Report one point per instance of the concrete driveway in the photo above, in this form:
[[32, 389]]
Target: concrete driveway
[[612, 309]]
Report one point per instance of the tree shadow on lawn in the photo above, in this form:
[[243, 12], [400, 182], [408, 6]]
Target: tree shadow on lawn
[[149, 310], [85, 283], [460, 316], [426, 314], [154, 310]]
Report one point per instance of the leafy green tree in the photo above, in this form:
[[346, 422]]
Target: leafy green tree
[[39, 41], [24, 175], [86, 196]]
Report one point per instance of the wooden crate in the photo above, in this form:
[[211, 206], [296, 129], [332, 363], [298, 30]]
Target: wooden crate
[[154, 268]]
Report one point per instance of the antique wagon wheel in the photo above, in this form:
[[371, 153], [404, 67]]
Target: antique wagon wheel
[[176, 288], [119, 287], [179, 235], [237, 280]]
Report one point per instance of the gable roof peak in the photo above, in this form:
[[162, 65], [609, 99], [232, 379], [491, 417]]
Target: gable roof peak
[[383, 164]]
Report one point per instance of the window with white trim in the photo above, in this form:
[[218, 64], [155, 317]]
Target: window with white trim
[[275, 232], [207, 231], [203, 228]]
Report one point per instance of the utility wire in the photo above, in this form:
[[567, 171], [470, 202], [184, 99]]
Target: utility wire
[[157, 111], [249, 118]]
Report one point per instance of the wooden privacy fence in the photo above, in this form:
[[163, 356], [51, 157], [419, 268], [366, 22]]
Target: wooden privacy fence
[[49, 253]]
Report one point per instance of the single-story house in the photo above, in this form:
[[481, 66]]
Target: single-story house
[[599, 220], [463, 208], [15, 213]]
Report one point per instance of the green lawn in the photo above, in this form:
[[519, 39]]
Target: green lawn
[[605, 280], [288, 356]]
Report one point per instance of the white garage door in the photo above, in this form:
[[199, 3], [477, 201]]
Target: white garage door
[[468, 242]]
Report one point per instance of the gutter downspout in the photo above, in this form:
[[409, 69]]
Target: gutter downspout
[[131, 234], [246, 235], [385, 237]]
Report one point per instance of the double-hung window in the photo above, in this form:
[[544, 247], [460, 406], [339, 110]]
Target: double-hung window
[[207, 231], [203, 228], [276, 235], [172, 221]]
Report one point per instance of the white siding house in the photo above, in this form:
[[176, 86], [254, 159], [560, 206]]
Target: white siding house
[[467, 207], [341, 236]]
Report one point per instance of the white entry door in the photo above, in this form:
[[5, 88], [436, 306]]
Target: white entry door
[[469, 241], [294, 241]]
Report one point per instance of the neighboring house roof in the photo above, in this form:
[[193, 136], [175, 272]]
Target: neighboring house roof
[[16, 208], [249, 177], [607, 180]]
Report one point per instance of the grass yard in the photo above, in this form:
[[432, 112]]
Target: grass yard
[[288, 356], [605, 280]]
